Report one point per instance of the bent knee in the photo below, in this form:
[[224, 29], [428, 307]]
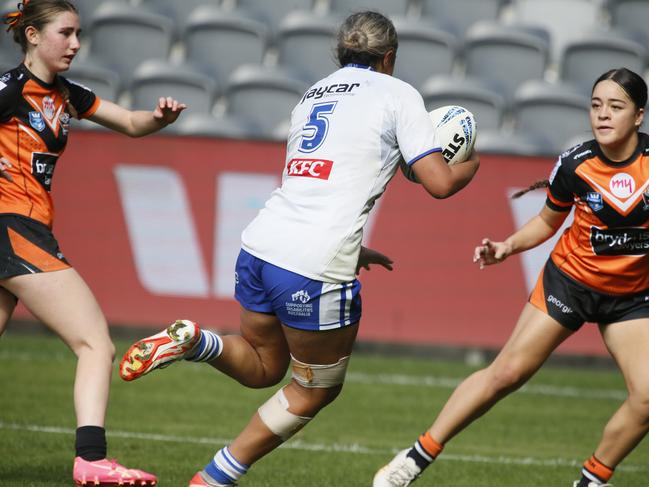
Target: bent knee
[[100, 348], [505, 378], [306, 401]]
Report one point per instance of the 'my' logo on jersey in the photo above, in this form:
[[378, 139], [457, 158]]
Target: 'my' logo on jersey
[[620, 190], [309, 168]]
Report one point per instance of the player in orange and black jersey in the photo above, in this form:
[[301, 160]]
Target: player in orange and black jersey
[[598, 272], [36, 105]]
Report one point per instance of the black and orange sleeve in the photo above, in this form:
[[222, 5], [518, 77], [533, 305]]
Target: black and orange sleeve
[[82, 98], [9, 93], [560, 194]]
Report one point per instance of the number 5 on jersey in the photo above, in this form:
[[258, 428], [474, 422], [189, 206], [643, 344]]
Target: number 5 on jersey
[[315, 130]]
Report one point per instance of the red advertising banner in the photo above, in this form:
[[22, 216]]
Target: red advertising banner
[[153, 226]]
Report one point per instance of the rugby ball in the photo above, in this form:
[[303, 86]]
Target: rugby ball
[[456, 132]]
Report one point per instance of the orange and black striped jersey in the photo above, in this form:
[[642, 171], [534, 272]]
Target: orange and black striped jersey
[[34, 127], [607, 246]]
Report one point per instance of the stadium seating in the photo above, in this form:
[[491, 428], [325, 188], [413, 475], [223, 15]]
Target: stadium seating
[[424, 50], [565, 20], [87, 9], [218, 41], [155, 78], [207, 125], [10, 53], [178, 10], [585, 59], [459, 15], [272, 13], [104, 82], [518, 144], [555, 112], [631, 15], [505, 56], [386, 7], [476, 96], [262, 96], [305, 44], [122, 37]]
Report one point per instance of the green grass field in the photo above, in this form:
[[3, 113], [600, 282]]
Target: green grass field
[[173, 421]]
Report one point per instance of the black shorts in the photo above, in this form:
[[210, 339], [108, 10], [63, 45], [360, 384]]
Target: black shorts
[[572, 304], [27, 247]]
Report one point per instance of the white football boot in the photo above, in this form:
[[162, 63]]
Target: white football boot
[[400, 472]]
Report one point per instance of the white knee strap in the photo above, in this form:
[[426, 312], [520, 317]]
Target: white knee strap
[[275, 414], [321, 376]]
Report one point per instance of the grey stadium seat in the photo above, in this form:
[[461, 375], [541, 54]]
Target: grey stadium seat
[[154, 79], [513, 144], [305, 44], [554, 111], [584, 60], [264, 97], [122, 37], [178, 10], [386, 7], [207, 125], [631, 15], [104, 82], [424, 51], [505, 56], [219, 42], [459, 15], [565, 20], [87, 9], [10, 52], [486, 104], [274, 12]]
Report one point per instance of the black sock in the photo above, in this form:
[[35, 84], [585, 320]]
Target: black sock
[[91, 443]]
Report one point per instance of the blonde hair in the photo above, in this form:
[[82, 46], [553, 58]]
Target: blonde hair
[[364, 38]]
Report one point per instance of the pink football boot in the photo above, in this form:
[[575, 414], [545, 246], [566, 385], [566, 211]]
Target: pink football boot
[[159, 350], [108, 473]]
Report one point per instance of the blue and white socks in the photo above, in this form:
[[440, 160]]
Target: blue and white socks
[[208, 348], [224, 468]]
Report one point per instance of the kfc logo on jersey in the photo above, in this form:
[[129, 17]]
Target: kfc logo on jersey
[[48, 107], [622, 185], [309, 168]]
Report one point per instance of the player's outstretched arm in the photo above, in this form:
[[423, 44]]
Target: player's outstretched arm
[[442, 180], [138, 123], [533, 233]]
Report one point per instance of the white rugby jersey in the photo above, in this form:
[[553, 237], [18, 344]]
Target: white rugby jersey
[[347, 135]]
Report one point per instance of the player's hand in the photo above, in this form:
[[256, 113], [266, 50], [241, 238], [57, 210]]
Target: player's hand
[[368, 257], [4, 166], [168, 110], [490, 253]]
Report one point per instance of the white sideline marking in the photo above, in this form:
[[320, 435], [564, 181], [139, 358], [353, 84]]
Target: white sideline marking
[[322, 447], [395, 379], [449, 383]]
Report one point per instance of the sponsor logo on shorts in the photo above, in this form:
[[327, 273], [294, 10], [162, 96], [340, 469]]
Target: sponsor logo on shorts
[[300, 305], [619, 241], [595, 201], [36, 121], [559, 304], [309, 168], [236, 278]]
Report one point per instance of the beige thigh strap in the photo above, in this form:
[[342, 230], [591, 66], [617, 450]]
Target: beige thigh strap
[[321, 376]]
